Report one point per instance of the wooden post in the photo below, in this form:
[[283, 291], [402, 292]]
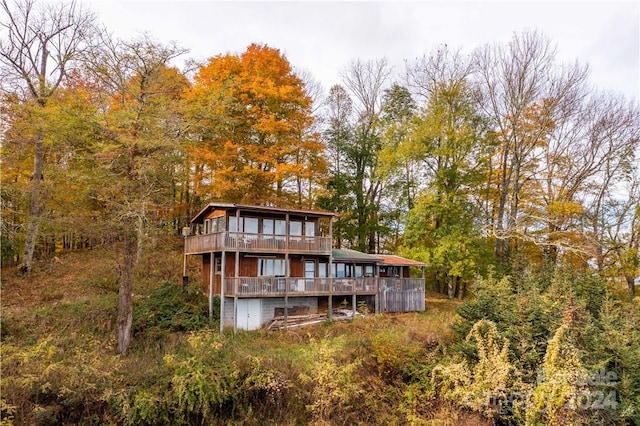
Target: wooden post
[[287, 275], [330, 273], [377, 287], [223, 271], [236, 272], [423, 304], [353, 303], [185, 279], [235, 314], [286, 309], [403, 291], [211, 275]]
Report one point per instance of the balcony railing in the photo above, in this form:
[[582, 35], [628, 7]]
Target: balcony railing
[[260, 243], [281, 286]]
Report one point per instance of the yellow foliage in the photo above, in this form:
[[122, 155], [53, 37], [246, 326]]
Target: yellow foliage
[[488, 384], [565, 208], [563, 379], [333, 384]]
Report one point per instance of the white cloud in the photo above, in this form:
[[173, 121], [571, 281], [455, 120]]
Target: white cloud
[[322, 37]]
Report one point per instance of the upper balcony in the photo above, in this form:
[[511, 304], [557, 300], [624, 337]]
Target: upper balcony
[[259, 229], [256, 243]]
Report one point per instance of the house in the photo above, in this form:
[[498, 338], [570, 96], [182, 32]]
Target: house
[[266, 262]]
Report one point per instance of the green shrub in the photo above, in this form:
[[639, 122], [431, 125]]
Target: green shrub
[[196, 386], [47, 384], [620, 323], [486, 386], [333, 385], [169, 308], [555, 399]]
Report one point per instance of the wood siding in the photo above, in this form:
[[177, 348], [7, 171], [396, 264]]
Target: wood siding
[[206, 271]]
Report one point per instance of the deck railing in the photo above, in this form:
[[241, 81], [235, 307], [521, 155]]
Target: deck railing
[[196, 244], [280, 286]]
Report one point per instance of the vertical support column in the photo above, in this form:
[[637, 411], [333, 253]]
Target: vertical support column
[[287, 272], [353, 303], [330, 302], [403, 289], [186, 231], [185, 279], [211, 275], [236, 273], [235, 314], [377, 296], [223, 272], [424, 288], [236, 283]]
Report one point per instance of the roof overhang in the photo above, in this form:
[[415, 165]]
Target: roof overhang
[[393, 260], [198, 218], [353, 256]]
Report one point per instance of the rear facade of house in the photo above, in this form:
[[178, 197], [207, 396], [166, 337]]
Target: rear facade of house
[[267, 262]]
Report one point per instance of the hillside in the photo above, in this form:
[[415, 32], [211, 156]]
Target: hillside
[[59, 364]]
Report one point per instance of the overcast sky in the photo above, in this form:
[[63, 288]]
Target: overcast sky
[[323, 37]]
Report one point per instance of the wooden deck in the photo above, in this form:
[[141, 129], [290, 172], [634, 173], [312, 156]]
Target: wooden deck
[[388, 288], [258, 243]]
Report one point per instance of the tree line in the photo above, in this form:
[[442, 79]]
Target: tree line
[[502, 159]]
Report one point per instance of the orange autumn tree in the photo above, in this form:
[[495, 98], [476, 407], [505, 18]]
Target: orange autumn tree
[[250, 119]]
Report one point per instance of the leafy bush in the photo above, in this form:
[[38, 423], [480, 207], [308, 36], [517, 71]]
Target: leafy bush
[[196, 386], [485, 386], [562, 330], [620, 323], [333, 385], [45, 384], [563, 379], [169, 308]]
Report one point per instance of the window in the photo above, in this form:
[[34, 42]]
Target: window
[[250, 225], [345, 270], [233, 224], [358, 271], [280, 227], [309, 269], [322, 269], [271, 268], [339, 271], [213, 225], [244, 224], [218, 265], [295, 228], [267, 226], [217, 224], [309, 229], [368, 271]]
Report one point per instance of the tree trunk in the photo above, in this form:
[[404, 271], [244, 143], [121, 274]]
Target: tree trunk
[[451, 287], [631, 282], [462, 290], [125, 313], [35, 208], [503, 187]]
